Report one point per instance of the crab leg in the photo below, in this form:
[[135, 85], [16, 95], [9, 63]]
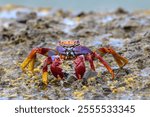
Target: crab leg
[[47, 62], [79, 66], [121, 61], [55, 67], [90, 59], [30, 60], [31, 64], [104, 63]]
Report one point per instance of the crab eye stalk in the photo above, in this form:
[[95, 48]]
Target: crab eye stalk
[[60, 43], [77, 42]]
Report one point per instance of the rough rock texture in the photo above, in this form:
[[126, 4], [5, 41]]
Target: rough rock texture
[[22, 29]]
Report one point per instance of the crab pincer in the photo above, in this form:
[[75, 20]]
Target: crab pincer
[[79, 66], [56, 68]]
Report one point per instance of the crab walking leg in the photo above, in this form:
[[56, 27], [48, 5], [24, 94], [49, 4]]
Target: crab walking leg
[[31, 57], [47, 62], [105, 64], [56, 67], [90, 59], [121, 61], [31, 64], [79, 66]]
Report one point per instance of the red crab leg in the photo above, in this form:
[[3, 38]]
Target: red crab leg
[[31, 57], [79, 66], [56, 69], [90, 59], [121, 61], [47, 62], [104, 63]]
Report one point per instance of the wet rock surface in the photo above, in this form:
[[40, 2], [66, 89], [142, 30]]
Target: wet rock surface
[[22, 29]]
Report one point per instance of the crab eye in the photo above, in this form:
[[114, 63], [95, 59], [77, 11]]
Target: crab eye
[[76, 42], [59, 42]]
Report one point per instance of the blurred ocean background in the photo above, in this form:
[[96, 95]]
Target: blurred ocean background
[[83, 5]]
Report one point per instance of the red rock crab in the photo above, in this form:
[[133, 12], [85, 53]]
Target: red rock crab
[[71, 50]]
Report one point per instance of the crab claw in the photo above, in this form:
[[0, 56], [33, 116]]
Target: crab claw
[[30, 60], [79, 66], [55, 67]]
